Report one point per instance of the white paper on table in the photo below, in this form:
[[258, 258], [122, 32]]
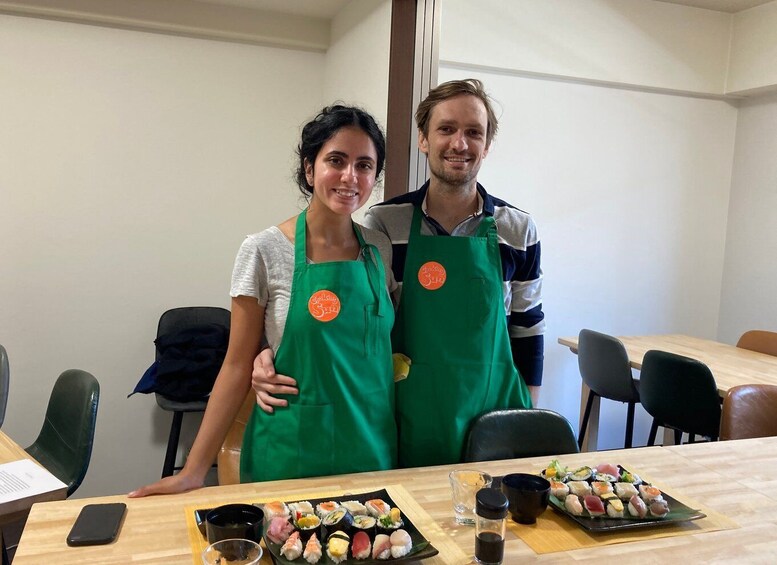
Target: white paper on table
[[23, 478]]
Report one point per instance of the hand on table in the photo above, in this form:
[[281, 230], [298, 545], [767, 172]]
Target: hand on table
[[267, 383], [169, 485]]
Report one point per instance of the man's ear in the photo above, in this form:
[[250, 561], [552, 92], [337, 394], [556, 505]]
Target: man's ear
[[423, 143]]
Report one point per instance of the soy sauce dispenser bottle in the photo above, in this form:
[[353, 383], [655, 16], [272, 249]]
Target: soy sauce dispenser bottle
[[490, 512]]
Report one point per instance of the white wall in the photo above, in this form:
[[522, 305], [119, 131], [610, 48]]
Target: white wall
[[754, 49], [750, 277], [629, 189], [131, 167]]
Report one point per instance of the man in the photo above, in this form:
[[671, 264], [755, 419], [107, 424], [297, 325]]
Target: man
[[470, 313]]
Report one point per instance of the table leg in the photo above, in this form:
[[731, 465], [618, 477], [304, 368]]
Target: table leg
[[591, 439]]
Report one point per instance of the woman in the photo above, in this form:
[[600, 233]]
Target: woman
[[316, 287]]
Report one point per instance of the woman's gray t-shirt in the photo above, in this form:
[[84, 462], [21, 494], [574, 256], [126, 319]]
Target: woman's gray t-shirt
[[264, 269]]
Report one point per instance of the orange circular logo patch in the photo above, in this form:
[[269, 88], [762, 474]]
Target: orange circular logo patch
[[431, 275], [324, 305]]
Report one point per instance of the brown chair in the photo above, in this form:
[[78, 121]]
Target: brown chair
[[229, 454], [749, 411], [761, 341]]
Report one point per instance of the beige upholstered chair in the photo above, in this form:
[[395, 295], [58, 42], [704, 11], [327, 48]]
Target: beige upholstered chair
[[229, 454], [761, 341]]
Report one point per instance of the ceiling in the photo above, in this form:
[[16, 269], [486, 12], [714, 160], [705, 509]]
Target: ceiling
[[329, 8]]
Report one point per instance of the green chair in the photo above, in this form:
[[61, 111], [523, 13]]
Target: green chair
[[604, 368], [5, 376], [519, 432], [64, 444], [680, 393]]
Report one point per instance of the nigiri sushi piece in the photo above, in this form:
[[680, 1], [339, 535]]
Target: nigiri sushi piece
[[637, 507], [381, 547], [615, 508], [650, 493], [377, 507], [608, 468], [658, 508], [594, 505], [600, 487], [279, 529], [313, 551], [275, 508], [401, 544], [324, 508], [579, 488], [337, 547], [573, 506], [559, 490], [355, 507], [361, 546], [292, 548], [625, 490]]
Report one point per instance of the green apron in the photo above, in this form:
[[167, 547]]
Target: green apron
[[451, 322], [336, 343]]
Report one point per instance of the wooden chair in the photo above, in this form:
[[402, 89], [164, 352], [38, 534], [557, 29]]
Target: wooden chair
[[520, 432], [229, 455], [604, 368], [749, 411], [680, 393], [761, 341]]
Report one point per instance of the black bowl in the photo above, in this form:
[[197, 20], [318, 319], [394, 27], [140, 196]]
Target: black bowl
[[527, 496], [234, 521]]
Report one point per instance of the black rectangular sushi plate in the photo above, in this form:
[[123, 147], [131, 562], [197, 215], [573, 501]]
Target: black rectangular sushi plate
[[422, 549]]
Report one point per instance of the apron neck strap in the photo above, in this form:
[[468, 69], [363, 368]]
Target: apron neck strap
[[485, 228]]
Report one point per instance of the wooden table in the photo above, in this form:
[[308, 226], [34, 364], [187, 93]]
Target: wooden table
[[16, 509], [724, 477], [730, 365]]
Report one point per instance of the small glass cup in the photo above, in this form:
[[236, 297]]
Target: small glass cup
[[464, 486], [232, 552]]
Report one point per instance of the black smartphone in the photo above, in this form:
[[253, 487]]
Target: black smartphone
[[97, 524]]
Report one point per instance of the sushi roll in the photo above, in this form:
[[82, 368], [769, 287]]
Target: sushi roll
[[605, 477], [355, 507], [581, 474], [555, 471], [361, 547], [559, 490], [627, 477], [625, 490], [381, 547], [336, 521], [279, 529], [324, 508], [579, 488], [573, 506], [337, 546], [637, 507], [313, 551], [401, 544], [308, 525], [658, 508], [292, 548], [276, 508], [300, 508], [649, 493], [364, 524], [614, 508], [601, 487], [391, 522], [377, 507], [594, 505]]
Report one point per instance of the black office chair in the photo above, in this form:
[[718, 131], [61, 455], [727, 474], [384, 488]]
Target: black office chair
[[519, 432], [64, 444], [604, 367], [5, 377], [680, 393], [175, 320]]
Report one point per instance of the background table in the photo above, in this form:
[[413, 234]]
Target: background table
[[725, 477], [730, 365]]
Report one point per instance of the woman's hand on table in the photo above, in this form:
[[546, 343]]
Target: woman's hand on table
[[267, 383], [169, 485]]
